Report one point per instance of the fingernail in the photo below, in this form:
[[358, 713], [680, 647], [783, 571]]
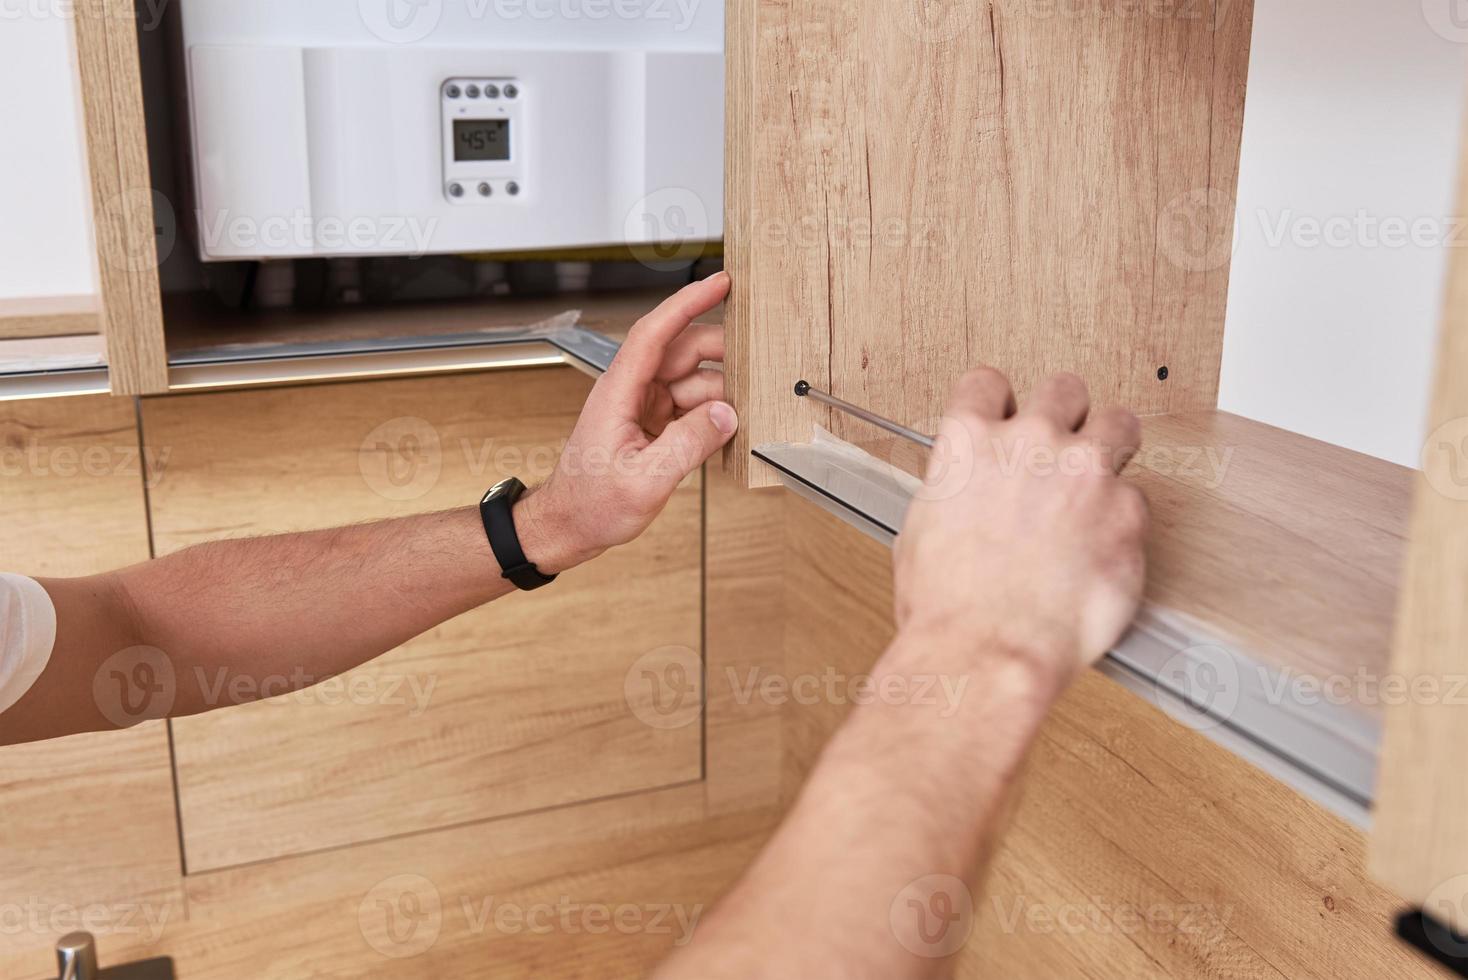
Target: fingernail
[[723, 417], [717, 276]]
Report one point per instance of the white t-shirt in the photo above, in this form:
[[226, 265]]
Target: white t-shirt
[[27, 634]]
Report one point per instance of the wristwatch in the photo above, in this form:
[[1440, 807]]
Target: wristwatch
[[497, 512]]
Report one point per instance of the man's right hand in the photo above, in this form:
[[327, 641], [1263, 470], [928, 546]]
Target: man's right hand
[[1024, 541]]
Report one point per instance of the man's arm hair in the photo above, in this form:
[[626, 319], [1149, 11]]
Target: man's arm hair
[[290, 611], [1008, 580], [281, 612], [876, 871]]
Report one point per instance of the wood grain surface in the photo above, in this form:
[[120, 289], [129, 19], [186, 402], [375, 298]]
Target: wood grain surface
[[913, 189], [128, 216], [1420, 838], [424, 904], [87, 823], [527, 703], [49, 316], [1140, 848], [1280, 545]]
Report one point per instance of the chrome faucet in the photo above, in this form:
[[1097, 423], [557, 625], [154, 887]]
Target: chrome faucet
[[76, 959]]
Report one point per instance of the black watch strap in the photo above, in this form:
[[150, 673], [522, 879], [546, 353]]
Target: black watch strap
[[497, 510]]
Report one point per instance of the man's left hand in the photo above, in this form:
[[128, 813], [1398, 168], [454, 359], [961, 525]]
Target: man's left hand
[[655, 416]]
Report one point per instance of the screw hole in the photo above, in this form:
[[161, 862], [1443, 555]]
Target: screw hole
[[1162, 373]]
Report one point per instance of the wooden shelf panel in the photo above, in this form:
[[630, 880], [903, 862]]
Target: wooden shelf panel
[[195, 322], [1288, 547], [49, 316]]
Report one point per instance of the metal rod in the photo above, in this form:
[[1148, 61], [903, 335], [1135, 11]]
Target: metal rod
[[803, 389]]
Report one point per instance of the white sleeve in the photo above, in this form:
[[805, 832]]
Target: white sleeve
[[27, 634]]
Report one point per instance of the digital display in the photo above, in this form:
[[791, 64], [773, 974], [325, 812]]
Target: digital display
[[481, 139]]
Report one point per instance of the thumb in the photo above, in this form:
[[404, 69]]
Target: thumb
[[687, 442]]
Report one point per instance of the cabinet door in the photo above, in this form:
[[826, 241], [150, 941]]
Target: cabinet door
[[531, 702], [1139, 847], [87, 826], [915, 188], [1420, 835]]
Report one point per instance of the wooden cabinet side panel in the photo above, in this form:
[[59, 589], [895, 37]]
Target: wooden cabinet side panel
[[533, 701], [87, 823], [1139, 848], [123, 201], [1420, 833], [913, 190]]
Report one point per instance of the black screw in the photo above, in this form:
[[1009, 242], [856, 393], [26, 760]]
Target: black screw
[[1162, 373], [802, 388]]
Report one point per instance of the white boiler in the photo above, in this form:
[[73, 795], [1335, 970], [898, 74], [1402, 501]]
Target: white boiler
[[403, 127]]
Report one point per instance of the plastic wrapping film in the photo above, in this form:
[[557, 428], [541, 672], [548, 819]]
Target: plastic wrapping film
[[1325, 750]]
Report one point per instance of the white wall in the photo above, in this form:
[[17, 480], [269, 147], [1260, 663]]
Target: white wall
[[45, 203], [1352, 118]]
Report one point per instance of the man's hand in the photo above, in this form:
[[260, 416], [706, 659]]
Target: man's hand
[[651, 420], [1024, 540], [1019, 563]]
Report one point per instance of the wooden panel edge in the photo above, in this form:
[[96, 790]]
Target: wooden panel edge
[[49, 316], [1419, 847], [123, 200]]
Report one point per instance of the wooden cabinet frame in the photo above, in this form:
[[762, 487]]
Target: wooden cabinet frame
[[1420, 838], [123, 199]]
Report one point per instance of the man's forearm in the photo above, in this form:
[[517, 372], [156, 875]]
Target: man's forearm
[[278, 613], [892, 830]]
